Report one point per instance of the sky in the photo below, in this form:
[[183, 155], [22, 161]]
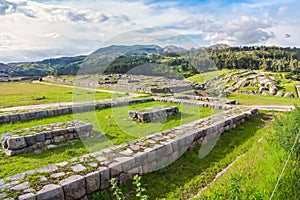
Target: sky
[[33, 30]]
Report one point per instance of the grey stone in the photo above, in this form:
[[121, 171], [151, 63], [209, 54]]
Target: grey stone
[[40, 137], [15, 143], [62, 164], [59, 139], [289, 95], [43, 178], [127, 152], [50, 192], [105, 177], [28, 196], [51, 146], [20, 187], [29, 190], [51, 168], [17, 177], [92, 164], [73, 187], [3, 195], [57, 175], [78, 168], [92, 181], [127, 163], [30, 140], [48, 135], [38, 151]]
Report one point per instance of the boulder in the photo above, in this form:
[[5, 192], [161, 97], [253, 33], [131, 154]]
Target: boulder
[[280, 94], [262, 89], [289, 95], [273, 90]]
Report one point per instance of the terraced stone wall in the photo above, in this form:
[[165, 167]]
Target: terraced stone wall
[[39, 114], [80, 177], [42, 137]]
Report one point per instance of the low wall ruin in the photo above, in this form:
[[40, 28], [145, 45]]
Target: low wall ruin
[[153, 115], [95, 170], [41, 137]]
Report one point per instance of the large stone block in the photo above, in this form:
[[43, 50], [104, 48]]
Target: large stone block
[[92, 181], [104, 177], [15, 143], [30, 140], [40, 137], [28, 196], [50, 192], [73, 187]]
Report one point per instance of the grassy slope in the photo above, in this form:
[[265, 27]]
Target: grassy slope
[[248, 99], [200, 78], [185, 177], [121, 130], [255, 175], [23, 93]]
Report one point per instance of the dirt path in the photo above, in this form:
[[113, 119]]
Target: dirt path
[[68, 104], [86, 88], [272, 107], [57, 105]]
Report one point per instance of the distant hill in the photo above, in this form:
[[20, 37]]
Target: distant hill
[[168, 60], [219, 47]]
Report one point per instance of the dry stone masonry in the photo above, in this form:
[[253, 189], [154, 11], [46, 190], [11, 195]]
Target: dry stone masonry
[[43, 137], [40, 114], [153, 114], [80, 177]]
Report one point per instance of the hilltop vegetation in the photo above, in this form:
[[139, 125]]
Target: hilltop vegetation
[[171, 60]]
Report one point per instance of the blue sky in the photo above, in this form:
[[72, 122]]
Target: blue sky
[[33, 30]]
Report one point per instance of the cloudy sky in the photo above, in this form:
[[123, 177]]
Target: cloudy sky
[[37, 29]]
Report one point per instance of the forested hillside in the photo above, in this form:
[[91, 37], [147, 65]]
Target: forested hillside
[[274, 59], [169, 60]]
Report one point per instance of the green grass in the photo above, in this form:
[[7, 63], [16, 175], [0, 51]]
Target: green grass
[[185, 177], [248, 100], [255, 175], [200, 78], [23, 93], [121, 130]]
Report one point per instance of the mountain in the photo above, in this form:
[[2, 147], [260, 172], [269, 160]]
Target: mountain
[[219, 47], [59, 66], [168, 60], [175, 49], [134, 49]]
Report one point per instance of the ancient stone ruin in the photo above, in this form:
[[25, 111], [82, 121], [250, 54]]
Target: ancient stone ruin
[[153, 114], [43, 137], [93, 171]]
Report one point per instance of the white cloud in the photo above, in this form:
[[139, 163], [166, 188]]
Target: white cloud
[[31, 30]]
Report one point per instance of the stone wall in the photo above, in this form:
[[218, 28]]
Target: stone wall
[[149, 116], [41, 137], [208, 99], [95, 170], [220, 105], [39, 114]]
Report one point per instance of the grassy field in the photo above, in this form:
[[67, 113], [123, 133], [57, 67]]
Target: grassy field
[[120, 130], [24, 93], [257, 159], [248, 99], [201, 78], [183, 178]]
